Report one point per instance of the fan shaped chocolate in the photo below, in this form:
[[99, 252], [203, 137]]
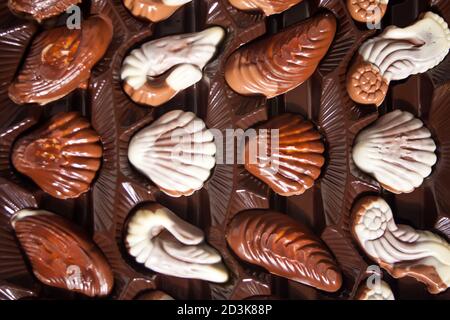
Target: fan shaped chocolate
[[280, 63], [286, 153], [284, 247], [60, 60], [62, 157], [40, 9], [154, 10], [269, 7], [61, 255]]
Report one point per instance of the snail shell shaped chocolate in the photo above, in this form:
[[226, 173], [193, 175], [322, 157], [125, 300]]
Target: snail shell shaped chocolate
[[377, 291], [62, 157], [177, 152], [397, 151], [160, 69], [61, 255], [395, 55], [40, 9], [166, 244], [367, 11], [282, 62], [401, 250], [287, 154], [154, 10], [269, 7], [60, 61], [284, 247]]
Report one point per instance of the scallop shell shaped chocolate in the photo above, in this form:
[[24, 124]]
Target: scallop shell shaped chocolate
[[284, 247], [62, 157], [40, 9], [397, 151], [367, 11], [269, 7], [61, 255], [399, 249], [286, 153], [154, 10], [60, 61], [176, 152], [282, 62]]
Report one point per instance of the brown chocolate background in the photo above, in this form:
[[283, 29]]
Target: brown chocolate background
[[120, 189]]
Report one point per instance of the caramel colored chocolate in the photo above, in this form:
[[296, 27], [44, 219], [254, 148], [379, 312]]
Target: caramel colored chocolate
[[367, 11], [61, 255], [60, 61], [152, 93], [40, 9], [282, 62], [284, 247], [288, 160], [154, 10], [269, 7], [62, 157]]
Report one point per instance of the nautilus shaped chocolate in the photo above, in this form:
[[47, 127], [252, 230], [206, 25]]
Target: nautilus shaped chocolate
[[166, 244], [160, 69], [367, 11], [286, 153], [280, 63], [154, 10], [283, 247], [62, 157], [40, 9], [397, 150], [61, 255], [395, 55], [269, 7], [376, 291], [60, 61], [399, 249]]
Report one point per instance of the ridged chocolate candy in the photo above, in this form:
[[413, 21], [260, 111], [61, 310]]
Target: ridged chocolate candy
[[282, 62], [40, 9], [269, 7], [284, 247]]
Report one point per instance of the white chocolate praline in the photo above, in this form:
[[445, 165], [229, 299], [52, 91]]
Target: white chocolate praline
[[167, 244], [377, 291], [401, 52], [177, 152], [397, 151], [401, 250]]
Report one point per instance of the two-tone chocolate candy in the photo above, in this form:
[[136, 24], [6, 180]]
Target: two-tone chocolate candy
[[367, 11], [376, 290], [40, 9], [269, 7], [154, 10]]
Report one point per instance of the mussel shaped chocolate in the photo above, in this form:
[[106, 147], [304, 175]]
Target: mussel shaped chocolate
[[40, 9], [269, 7], [62, 157], [160, 69], [378, 290], [395, 55], [283, 247], [61, 255], [280, 63], [286, 153], [399, 249], [60, 60], [367, 11], [397, 150], [154, 10], [177, 152]]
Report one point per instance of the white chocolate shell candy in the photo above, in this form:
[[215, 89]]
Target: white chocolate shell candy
[[166, 244], [401, 250], [397, 151], [160, 69], [376, 291], [177, 152], [397, 54]]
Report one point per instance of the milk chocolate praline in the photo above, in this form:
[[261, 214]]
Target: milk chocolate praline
[[40, 9]]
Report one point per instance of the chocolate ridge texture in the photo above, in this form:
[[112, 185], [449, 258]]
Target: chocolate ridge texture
[[269, 7], [280, 63], [283, 247], [40, 9]]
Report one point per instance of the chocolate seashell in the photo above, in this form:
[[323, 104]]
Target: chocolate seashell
[[62, 157], [367, 11], [154, 10], [269, 7], [287, 154], [61, 255], [282, 62], [60, 61], [284, 247], [40, 9]]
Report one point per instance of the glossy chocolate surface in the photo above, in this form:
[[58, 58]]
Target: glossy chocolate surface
[[40, 9]]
